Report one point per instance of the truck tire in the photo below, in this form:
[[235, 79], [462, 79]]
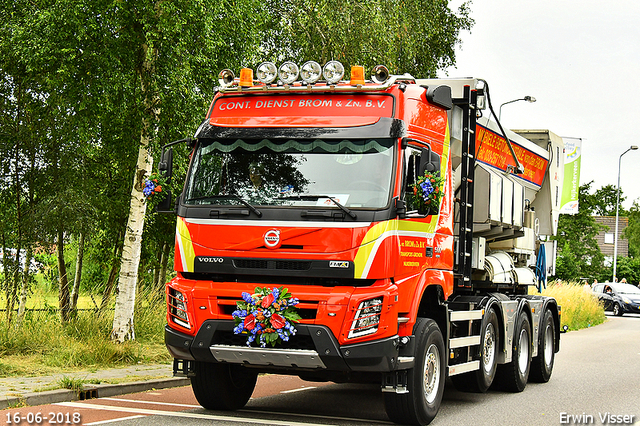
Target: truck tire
[[514, 375], [542, 365], [480, 380], [425, 381], [222, 386]]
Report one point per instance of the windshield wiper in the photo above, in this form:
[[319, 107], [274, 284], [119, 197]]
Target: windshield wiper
[[231, 196], [340, 206]]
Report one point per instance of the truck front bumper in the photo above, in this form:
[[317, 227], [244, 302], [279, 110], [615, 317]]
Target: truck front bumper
[[314, 347]]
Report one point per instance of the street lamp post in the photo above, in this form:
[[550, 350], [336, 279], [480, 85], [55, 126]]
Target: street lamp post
[[615, 237], [526, 98]]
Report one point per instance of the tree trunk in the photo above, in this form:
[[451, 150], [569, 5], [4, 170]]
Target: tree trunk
[[132, 247], [76, 280], [162, 280], [106, 295], [63, 293], [24, 290]]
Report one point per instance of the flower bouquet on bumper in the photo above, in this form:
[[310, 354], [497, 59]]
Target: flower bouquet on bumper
[[266, 316]]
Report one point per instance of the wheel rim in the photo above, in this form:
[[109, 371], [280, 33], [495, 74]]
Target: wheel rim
[[431, 376], [548, 345], [489, 348], [523, 355], [616, 309]]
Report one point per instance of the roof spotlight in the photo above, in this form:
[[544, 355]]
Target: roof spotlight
[[310, 72], [333, 72], [288, 72], [380, 74], [267, 72], [226, 78]]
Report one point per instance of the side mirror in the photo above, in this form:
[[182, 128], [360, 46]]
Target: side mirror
[[165, 166], [165, 206], [401, 208]]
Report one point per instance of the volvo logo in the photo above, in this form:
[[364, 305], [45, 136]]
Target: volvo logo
[[272, 238], [210, 259]]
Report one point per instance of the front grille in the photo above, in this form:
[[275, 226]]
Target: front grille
[[290, 265], [250, 264]]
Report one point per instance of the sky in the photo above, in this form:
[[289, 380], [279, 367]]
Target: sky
[[580, 60]]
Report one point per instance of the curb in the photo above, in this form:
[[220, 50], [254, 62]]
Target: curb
[[90, 392]]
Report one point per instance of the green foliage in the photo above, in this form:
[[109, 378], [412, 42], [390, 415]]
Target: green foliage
[[416, 37], [579, 255], [604, 201], [72, 383], [632, 232]]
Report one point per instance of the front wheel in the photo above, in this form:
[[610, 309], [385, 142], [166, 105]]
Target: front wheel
[[542, 365], [222, 386], [514, 375], [617, 310], [425, 381]]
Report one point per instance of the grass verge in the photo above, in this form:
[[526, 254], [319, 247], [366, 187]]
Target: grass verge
[[580, 308], [42, 345]]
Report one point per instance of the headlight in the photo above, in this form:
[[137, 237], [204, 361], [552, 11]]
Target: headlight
[[626, 300], [177, 306], [367, 318]]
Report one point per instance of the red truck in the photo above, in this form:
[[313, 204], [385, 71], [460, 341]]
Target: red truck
[[359, 230]]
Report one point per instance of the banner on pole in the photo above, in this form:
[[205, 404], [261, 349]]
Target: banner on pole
[[571, 184]]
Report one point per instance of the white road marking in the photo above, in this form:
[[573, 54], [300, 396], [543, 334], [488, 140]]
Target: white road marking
[[103, 422], [153, 402], [298, 389], [184, 414]]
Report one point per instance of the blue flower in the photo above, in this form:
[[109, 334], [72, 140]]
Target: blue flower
[[239, 329], [247, 297], [276, 292], [427, 189], [149, 188], [238, 313], [293, 301]]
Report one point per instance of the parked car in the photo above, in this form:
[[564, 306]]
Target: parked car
[[620, 298]]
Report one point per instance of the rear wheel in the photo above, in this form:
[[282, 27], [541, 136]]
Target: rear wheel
[[514, 375], [542, 365], [222, 386], [480, 380], [425, 381]]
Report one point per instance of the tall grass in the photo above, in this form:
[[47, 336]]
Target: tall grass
[[580, 308], [42, 344]]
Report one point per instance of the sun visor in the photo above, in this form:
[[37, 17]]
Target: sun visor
[[300, 110]]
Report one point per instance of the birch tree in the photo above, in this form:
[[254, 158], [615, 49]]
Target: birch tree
[[178, 46]]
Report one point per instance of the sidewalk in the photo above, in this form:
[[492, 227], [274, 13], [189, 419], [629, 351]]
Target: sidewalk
[[19, 391]]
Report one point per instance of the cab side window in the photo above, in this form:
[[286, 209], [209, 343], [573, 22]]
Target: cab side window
[[417, 161]]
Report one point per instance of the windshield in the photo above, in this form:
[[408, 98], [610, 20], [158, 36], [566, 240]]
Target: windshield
[[285, 172], [623, 288]]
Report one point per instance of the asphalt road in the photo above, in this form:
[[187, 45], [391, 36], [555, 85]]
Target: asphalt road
[[596, 372]]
